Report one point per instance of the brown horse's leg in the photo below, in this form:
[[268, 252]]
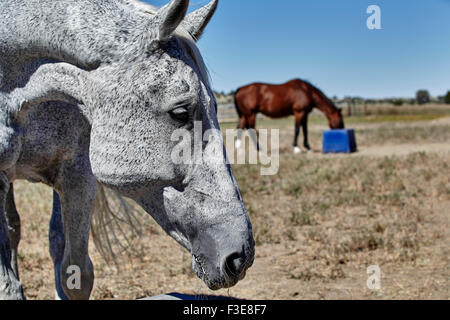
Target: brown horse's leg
[[305, 133], [252, 126], [296, 134], [299, 119], [243, 124]]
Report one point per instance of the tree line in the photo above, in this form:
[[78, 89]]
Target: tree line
[[422, 97]]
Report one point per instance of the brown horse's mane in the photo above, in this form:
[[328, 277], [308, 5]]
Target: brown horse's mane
[[322, 102]]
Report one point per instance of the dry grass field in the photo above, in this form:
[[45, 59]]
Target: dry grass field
[[318, 224]]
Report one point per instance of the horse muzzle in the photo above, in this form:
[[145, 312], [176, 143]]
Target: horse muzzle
[[219, 234], [228, 270]]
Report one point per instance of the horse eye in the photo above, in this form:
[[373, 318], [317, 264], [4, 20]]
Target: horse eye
[[180, 114]]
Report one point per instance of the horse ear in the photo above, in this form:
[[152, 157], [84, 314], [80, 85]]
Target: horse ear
[[170, 16], [196, 22]]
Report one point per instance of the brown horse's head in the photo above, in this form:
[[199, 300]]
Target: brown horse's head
[[336, 120]]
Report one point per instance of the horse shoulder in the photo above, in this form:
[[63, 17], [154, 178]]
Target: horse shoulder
[[301, 97], [52, 134]]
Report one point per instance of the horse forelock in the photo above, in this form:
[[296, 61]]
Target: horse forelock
[[192, 49]]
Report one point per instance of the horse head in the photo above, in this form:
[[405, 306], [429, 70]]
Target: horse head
[[336, 120], [159, 86]]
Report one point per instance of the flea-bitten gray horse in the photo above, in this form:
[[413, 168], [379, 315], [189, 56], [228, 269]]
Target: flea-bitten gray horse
[[92, 90]]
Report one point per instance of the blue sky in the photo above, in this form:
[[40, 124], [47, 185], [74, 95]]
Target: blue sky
[[327, 42]]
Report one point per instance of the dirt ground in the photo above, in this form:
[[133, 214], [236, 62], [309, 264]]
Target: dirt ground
[[319, 224]]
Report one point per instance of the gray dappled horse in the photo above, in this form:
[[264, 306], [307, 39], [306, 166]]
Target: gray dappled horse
[[93, 90]]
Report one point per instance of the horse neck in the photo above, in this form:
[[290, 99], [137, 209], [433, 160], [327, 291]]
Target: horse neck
[[326, 106], [88, 32]]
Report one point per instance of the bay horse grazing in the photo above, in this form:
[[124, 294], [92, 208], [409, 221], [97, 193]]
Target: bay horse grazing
[[296, 97], [93, 91]]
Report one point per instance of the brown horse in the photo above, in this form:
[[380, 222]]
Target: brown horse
[[296, 97]]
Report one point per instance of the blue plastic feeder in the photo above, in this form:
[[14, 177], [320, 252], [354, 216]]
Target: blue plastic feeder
[[339, 141]]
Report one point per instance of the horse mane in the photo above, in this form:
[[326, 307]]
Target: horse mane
[[187, 39], [321, 100]]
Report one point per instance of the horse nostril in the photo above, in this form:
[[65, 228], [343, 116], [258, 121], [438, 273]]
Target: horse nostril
[[233, 265]]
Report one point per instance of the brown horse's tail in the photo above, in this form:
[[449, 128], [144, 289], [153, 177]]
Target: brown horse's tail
[[238, 110]]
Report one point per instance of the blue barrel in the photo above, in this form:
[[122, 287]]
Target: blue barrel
[[339, 141]]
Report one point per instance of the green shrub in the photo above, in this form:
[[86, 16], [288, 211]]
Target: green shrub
[[447, 98], [423, 97]]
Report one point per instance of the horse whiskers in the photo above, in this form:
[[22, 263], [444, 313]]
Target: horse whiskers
[[200, 265]]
